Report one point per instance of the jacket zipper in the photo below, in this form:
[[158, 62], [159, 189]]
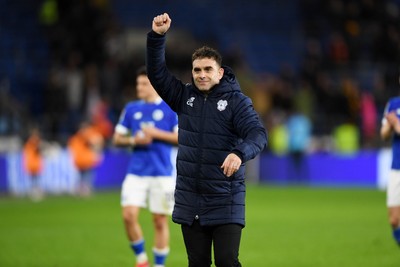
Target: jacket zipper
[[203, 110]]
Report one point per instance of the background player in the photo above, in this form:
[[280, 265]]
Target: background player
[[391, 127], [33, 161], [150, 127], [86, 146]]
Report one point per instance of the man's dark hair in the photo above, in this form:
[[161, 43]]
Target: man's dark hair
[[207, 52], [141, 71]]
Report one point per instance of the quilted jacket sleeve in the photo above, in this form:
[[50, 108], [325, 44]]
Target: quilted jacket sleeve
[[167, 85], [250, 129]]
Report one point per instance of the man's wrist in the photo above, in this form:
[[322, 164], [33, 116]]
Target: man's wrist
[[238, 153], [153, 33]]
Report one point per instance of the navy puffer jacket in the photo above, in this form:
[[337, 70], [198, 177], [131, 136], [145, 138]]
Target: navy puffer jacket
[[210, 127]]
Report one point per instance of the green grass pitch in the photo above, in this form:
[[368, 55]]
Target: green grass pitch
[[286, 227]]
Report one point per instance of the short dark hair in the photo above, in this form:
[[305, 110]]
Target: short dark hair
[[141, 71], [207, 52]]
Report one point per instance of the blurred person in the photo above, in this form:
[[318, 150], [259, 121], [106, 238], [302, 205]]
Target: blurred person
[[101, 119], [219, 131], [369, 119], [346, 138], [149, 127], [33, 162], [86, 146], [390, 127], [299, 129]]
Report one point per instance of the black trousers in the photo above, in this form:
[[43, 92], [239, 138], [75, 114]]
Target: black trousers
[[224, 238]]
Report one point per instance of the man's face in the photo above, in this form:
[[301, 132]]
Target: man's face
[[206, 73], [144, 89]]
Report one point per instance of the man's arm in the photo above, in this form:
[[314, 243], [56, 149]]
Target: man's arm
[[248, 124], [165, 83], [252, 132], [386, 131], [390, 124], [128, 140], [158, 134]]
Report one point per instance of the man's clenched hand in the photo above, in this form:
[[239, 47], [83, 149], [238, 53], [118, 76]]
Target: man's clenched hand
[[161, 23]]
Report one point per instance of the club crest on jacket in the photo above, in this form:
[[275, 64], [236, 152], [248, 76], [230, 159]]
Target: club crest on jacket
[[221, 105]]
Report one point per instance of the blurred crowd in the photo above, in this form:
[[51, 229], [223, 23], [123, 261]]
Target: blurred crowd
[[348, 70]]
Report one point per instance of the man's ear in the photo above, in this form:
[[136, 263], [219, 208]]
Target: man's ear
[[221, 73]]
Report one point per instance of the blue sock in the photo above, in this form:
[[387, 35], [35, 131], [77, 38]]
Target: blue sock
[[160, 255], [138, 246], [396, 235]]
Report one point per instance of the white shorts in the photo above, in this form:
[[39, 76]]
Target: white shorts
[[157, 192], [393, 189]]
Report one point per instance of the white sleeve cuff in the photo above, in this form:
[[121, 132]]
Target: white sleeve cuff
[[121, 129]]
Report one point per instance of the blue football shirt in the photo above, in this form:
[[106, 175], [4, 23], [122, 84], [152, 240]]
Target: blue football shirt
[[153, 159], [394, 105]]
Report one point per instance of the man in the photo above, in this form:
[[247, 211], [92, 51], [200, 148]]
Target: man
[[86, 146], [218, 132], [391, 128], [150, 127], [33, 162]]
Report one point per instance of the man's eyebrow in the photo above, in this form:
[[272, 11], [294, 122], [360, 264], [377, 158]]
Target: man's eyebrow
[[205, 68]]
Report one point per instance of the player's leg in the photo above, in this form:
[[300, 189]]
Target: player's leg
[[393, 203], [226, 240], [36, 192], [161, 204], [130, 215], [86, 180], [161, 239], [133, 198], [394, 220]]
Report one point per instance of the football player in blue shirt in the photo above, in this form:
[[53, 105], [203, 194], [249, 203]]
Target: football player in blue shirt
[[391, 127], [150, 127]]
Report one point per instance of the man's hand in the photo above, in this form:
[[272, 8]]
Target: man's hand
[[392, 118], [151, 131], [231, 164], [142, 139], [161, 23], [393, 121]]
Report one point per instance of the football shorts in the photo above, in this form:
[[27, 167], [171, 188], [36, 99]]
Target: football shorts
[[393, 188], [154, 192]]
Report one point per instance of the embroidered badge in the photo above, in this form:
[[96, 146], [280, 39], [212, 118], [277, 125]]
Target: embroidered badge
[[158, 115], [190, 101], [138, 115], [221, 105]]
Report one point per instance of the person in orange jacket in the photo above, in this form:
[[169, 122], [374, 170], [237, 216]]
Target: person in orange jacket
[[86, 146], [33, 162]]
